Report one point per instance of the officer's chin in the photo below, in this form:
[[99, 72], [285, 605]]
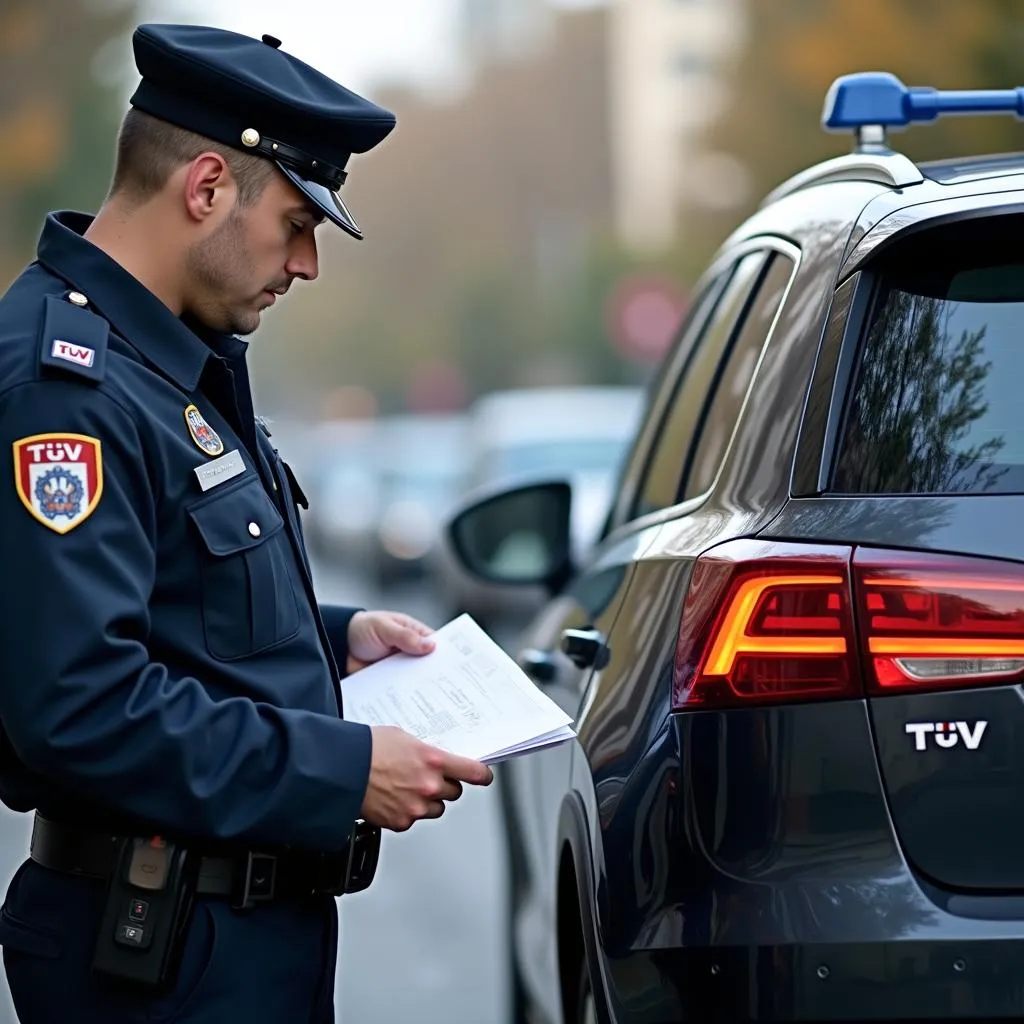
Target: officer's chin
[[245, 322]]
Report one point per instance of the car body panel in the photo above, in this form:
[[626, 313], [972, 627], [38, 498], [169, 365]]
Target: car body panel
[[989, 528], [535, 787], [749, 490], [746, 863]]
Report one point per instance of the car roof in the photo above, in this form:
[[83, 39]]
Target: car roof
[[908, 182], [872, 198], [959, 169], [871, 104]]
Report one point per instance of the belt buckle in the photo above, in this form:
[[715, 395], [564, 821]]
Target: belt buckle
[[258, 880]]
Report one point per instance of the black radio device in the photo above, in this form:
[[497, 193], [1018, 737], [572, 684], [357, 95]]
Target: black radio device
[[150, 896]]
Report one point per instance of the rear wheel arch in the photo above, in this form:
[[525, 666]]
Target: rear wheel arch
[[571, 951], [575, 918]]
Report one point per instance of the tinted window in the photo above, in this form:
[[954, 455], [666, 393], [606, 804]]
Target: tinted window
[[664, 473], [936, 402], [658, 405], [735, 377]]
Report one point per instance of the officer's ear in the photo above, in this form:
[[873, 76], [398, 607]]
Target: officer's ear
[[209, 187]]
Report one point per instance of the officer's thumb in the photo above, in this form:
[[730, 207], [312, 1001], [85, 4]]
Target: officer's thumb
[[408, 641]]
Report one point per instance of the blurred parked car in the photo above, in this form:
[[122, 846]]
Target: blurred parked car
[[421, 461], [795, 656], [342, 483], [579, 433]]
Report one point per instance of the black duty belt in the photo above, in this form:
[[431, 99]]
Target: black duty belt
[[246, 878]]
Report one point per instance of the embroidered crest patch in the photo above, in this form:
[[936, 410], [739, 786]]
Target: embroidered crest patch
[[206, 438], [59, 478]]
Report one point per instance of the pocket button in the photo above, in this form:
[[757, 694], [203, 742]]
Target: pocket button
[[254, 529]]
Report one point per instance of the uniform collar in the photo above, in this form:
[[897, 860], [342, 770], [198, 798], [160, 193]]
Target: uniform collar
[[179, 351]]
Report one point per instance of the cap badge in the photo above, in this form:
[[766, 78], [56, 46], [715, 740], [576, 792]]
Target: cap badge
[[250, 137], [206, 438]]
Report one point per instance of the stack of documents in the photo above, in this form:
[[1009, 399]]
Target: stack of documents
[[467, 697]]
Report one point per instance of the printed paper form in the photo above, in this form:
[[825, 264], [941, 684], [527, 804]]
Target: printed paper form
[[467, 697]]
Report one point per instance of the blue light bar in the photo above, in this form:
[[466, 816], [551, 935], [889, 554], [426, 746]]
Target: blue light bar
[[879, 98]]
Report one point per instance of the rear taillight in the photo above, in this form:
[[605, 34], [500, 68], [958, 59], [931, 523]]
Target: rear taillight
[[771, 622], [938, 621], [766, 622]]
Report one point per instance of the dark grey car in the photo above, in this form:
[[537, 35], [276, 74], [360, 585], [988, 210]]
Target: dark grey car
[[795, 658]]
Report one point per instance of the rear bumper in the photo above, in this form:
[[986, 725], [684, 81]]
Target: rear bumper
[[912, 981], [748, 870]]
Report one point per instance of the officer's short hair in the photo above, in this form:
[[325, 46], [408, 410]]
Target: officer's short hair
[[150, 150]]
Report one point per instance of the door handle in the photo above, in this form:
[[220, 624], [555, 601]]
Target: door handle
[[585, 648], [538, 665]]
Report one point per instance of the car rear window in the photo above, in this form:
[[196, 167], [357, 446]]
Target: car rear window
[[937, 404]]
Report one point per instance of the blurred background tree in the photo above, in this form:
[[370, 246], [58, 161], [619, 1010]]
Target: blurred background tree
[[58, 111]]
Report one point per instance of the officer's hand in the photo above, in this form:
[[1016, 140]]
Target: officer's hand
[[410, 780], [375, 635]]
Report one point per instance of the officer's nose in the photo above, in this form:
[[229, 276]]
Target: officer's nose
[[303, 261]]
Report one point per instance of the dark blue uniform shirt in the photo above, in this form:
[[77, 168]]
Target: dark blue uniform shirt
[[164, 658]]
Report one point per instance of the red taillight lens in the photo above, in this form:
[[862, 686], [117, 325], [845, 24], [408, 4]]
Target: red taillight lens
[[766, 622], [936, 621]]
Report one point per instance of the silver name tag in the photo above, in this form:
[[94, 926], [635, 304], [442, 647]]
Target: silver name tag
[[216, 472]]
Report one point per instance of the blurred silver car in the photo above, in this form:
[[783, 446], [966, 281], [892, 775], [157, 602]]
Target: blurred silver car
[[576, 434], [421, 462], [342, 482]]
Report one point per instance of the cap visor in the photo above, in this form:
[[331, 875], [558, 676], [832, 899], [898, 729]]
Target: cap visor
[[330, 202]]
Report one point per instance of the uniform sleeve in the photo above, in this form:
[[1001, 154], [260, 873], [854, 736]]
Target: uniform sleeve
[[336, 619], [81, 699]]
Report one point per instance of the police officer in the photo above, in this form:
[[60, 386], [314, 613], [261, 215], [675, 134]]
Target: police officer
[[170, 694]]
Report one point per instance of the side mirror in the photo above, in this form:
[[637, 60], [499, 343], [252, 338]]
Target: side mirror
[[519, 536]]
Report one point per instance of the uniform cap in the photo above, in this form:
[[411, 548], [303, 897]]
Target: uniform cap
[[253, 96]]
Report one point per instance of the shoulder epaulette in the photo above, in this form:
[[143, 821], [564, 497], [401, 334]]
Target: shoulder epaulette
[[73, 339]]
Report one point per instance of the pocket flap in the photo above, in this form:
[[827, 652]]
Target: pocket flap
[[24, 938], [233, 520]]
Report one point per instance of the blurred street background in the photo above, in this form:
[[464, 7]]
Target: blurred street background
[[559, 177]]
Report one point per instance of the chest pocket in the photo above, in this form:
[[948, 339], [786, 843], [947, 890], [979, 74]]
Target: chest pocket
[[248, 590]]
